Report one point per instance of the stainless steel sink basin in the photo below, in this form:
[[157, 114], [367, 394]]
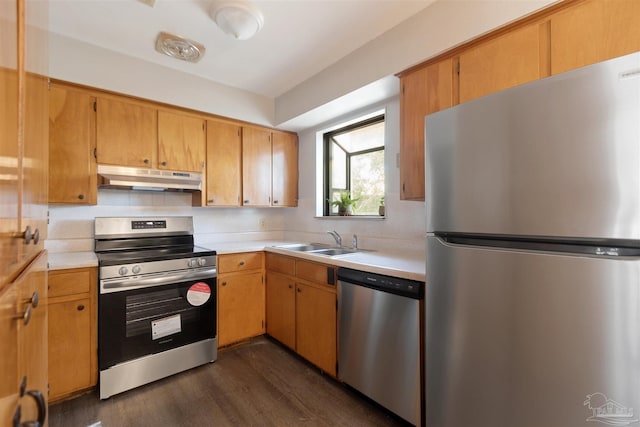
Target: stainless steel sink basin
[[334, 251], [305, 247]]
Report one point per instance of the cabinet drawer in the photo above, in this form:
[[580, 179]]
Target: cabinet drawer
[[317, 273], [281, 264], [240, 262], [69, 282]]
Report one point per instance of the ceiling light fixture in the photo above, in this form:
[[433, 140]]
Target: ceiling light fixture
[[179, 47], [239, 18]]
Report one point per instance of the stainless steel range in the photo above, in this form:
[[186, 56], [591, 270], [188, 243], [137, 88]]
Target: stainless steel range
[[157, 301]]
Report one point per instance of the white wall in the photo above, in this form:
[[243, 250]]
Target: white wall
[[437, 28], [404, 224], [78, 62], [71, 227]]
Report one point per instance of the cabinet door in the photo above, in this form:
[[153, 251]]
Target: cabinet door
[[69, 328], [281, 308], [181, 142], [423, 92], [284, 185], [316, 326], [72, 164], [8, 140], [224, 167], [594, 31], [126, 133], [241, 307], [32, 334], [256, 167], [517, 57], [9, 381]]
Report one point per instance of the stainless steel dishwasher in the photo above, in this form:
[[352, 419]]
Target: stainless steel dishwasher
[[379, 351]]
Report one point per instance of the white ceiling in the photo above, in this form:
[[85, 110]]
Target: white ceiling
[[299, 38]]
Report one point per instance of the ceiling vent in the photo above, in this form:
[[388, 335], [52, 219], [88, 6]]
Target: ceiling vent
[[179, 47]]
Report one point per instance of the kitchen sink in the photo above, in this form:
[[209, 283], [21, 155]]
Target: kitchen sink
[[334, 251], [305, 247]]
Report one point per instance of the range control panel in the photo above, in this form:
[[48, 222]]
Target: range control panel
[[145, 225]]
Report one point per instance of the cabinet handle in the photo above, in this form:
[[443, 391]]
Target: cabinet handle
[[146, 161], [241, 262], [224, 283], [246, 202], [275, 202], [16, 416], [26, 316], [164, 163], [211, 201], [81, 196], [290, 286], [42, 408], [80, 307], [34, 300], [299, 290], [26, 235]]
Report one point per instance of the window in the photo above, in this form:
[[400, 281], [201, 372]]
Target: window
[[354, 166]]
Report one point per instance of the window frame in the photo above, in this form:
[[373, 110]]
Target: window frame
[[326, 149]]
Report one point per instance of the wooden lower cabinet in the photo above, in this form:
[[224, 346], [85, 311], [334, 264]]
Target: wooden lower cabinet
[[281, 308], [302, 310], [241, 297], [23, 331], [316, 326], [73, 352]]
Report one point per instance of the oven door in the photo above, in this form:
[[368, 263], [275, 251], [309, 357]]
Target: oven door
[[149, 320]]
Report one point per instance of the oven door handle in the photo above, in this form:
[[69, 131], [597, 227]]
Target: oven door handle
[[119, 284]]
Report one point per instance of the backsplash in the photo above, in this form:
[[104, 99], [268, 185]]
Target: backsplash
[[71, 227]]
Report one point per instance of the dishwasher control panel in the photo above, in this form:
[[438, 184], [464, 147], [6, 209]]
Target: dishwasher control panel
[[396, 285]]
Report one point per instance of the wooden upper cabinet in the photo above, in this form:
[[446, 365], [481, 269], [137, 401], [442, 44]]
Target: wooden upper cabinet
[[284, 176], [517, 57], [8, 141], [181, 142], [72, 164], [423, 91], [256, 166], [594, 31], [224, 164], [126, 133]]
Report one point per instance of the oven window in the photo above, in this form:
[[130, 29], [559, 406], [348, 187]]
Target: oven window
[[144, 310]]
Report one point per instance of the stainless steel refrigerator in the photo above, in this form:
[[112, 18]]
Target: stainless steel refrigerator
[[533, 254]]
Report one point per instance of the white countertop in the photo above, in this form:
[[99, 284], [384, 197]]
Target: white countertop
[[407, 265], [65, 260]]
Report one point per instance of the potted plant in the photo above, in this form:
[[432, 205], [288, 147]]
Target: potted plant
[[345, 203], [381, 207]]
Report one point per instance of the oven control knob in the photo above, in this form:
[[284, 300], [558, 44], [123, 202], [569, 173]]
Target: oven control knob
[[202, 262], [193, 263], [135, 269], [123, 270]]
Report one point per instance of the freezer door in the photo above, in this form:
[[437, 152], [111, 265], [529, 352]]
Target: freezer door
[[556, 157], [522, 339]]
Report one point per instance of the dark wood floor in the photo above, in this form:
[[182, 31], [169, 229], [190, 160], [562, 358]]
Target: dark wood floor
[[258, 383]]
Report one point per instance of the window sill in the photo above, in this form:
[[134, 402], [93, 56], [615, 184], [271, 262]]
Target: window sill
[[351, 217]]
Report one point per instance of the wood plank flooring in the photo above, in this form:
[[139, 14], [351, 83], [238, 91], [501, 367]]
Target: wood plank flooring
[[258, 383]]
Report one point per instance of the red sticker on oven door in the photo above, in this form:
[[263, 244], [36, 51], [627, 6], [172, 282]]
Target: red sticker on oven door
[[198, 294]]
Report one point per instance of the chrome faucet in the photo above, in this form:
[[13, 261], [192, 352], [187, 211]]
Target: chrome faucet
[[336, 237], [354, 242]]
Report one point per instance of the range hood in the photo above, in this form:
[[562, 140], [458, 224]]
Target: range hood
[[148, 179]]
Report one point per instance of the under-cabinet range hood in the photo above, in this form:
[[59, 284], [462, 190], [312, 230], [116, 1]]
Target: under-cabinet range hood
[[148, 179]]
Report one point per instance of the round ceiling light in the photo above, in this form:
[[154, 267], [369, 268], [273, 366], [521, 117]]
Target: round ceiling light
[[240, 19]]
